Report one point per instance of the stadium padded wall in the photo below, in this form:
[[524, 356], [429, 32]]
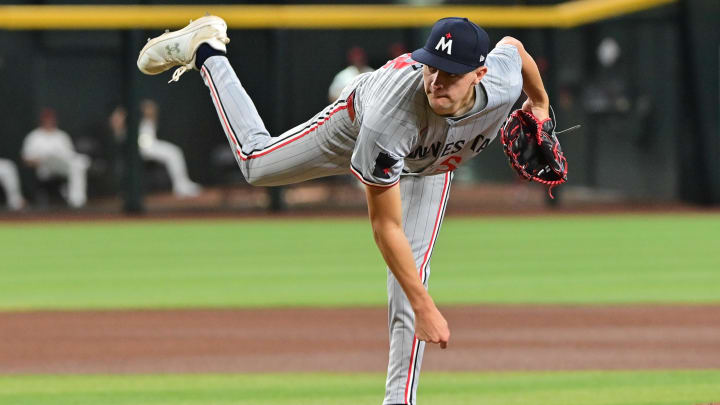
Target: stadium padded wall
[[40, 68], [699, 140]]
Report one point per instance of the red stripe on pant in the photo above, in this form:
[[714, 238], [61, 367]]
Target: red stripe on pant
[[410, 369], [416, 343], [438, 217], [296, 137], [230, 132], [220, 110]]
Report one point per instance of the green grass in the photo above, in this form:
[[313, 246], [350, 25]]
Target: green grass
[[570, 259], [565, 388]]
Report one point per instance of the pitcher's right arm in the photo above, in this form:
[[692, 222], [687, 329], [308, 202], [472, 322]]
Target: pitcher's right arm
[[385, 210]]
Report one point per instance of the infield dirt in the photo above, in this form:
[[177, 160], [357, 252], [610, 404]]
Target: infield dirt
[[350, 340]]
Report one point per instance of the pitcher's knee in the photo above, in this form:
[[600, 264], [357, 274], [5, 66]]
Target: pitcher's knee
[[261, 175], [257, 181]]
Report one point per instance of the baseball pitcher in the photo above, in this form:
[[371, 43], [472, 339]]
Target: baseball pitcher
[[402, 130]]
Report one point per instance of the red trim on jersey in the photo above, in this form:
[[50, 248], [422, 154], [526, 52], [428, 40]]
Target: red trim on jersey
[[351, 106]]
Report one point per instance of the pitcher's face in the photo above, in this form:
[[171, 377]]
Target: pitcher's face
[[448, 93]]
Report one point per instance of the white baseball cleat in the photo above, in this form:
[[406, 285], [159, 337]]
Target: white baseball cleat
[[177, 48]]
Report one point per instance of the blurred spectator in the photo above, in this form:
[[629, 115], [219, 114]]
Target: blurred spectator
[[396, 49], [154, 149], [11, 184], [357, 60], [164, 152], [615, 103], [393, 50], [51, 152], [117, 124], [607, 92]]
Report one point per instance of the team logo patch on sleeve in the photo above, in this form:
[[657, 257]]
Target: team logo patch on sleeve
[[383, 166]]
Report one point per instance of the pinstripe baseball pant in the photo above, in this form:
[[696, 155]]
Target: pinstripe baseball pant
[[321, 147]]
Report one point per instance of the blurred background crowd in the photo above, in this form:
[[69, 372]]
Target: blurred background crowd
[[644, 86]]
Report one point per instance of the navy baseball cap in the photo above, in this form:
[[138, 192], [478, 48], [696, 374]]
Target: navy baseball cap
[[455, 45]]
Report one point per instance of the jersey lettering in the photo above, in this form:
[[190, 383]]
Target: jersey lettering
[[422, 151], [458, 145], [446, 150], [479, 143]]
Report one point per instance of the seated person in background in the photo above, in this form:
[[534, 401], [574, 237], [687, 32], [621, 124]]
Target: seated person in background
[[358, 64], [51, 152], [164, 152], [11, 184]]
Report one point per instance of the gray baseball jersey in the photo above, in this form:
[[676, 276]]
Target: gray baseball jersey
[[382, 130], [399, 127]]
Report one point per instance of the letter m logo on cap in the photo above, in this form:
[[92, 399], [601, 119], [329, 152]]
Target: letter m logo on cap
[[444, 45]]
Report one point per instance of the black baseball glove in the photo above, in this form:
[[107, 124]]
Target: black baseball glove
[[533, 148]]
